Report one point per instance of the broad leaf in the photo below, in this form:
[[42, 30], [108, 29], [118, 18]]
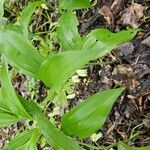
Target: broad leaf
[[7, 119], [26, 16], [122, 146], [103, 38], [20, 53], [74, 4], [90, 115], [9, 95], [24, 141], [54, 137], [107, 37], [68, 32], [57, 69]]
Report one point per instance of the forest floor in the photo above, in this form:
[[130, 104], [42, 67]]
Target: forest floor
[[129, 65]]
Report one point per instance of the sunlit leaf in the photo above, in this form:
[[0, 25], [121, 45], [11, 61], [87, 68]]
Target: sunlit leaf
[[20, 53], [68, 32], [54, 137], [24, 141], [107, 37], [74, 4], [90, 115]]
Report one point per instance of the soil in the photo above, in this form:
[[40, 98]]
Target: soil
[[130, 67]]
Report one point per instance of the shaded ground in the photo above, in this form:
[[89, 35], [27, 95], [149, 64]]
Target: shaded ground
[[130, 67]]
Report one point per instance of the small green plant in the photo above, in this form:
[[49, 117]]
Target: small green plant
[[55, 70]]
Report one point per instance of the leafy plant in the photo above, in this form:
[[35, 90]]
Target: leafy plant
[[55, 70], [96, 44], [54, 137]]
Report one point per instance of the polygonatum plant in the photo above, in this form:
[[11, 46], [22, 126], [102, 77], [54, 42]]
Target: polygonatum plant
[[55, 70]]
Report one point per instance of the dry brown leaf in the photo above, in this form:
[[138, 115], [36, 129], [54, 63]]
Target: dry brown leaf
[[146, 122], [117, 6], [146, 41], [125, 69], [105, 11], [132, 15]]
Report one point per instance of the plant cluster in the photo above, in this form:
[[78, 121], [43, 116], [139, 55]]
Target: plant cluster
[[55, 70]]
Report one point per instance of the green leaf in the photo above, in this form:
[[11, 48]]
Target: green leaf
[[1, 8], [122, 146], [7, 119], [107, 37], [20, 53], [6, 116], [67, 31], [57, 69], [26, 16], [24, 141], [13, 27], [74, 4], [9, 95], [3, 103], [54, 137], [90, 115]]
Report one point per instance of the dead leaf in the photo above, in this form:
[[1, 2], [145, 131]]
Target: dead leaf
[[117, 6], [132, 15], [106, 12], [125, 70], [146, 41], [125, 49], [146, 122]]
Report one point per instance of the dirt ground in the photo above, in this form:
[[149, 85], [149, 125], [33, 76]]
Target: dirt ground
[[130, 67]]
